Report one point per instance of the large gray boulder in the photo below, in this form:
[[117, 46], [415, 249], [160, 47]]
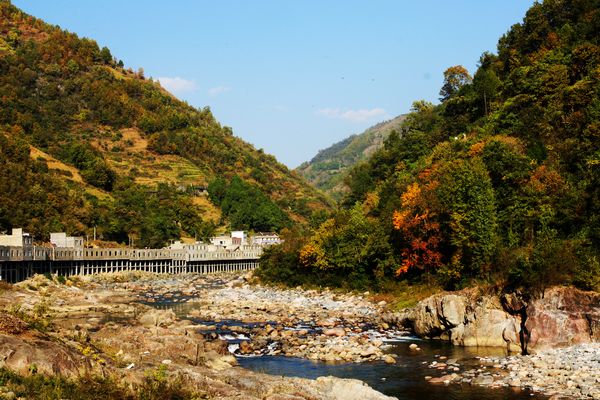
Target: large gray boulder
[[347, 389], [561, 317]]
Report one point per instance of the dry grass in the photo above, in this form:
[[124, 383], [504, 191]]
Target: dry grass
[[211, 212], [9, 324], [5, 286], [66, 171], [56, 165], [131, 134], [404, 295], [149, 168]]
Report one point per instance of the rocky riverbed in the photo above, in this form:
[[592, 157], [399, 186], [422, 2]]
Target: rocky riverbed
[[323, 325], [198, 327], [571, 372], [97, 326]]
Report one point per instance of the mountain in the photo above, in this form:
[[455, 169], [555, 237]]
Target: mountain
[[499, 184], [89, 143], [327, 170]]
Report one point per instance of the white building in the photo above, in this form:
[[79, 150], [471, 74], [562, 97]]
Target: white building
[[266, 239], [60, 239], [18, 238], [221, 240], [238, 237]]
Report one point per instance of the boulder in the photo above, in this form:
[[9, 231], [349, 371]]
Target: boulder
[[245, 347], [219, 362], [563, 316], [339, 332], [20, 354], [389, 359], [445, 379], [153, 318], [369, 351], [348, 389], [452, 310]]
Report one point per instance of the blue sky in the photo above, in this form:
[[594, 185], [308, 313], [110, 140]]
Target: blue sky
[[292, 77]]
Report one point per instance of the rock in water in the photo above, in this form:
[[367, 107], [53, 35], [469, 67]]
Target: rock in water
[[348, 389], [389, 359]]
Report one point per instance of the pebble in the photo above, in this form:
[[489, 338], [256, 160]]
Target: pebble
[[572, 372], [319, 325]]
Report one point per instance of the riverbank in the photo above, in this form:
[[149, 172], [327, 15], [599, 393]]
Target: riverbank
[[196, 329], [570, 372], [97, 327]]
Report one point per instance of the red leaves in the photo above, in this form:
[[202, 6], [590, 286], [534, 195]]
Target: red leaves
[[421, 232]]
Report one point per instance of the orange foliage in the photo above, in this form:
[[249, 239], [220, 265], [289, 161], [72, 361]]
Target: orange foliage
[[371, 201], [476, 149], [420, 231], [312, 255], [546, 180], [412, 194]]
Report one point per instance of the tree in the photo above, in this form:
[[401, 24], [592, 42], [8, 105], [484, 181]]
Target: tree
[[467, 200], [486, 85], [105, 55], [350, 245], [246, 206], [454, 78], [421, 236]]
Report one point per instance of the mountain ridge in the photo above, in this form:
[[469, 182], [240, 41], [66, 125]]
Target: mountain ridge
[[328, 168], [122, 134]]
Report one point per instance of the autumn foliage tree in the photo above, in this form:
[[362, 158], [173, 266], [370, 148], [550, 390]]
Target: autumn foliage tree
[[500, 181], [454, 79], [420, 231]]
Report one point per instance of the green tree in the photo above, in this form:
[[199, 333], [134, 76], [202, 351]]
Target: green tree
[[467, 199], [105, 56]]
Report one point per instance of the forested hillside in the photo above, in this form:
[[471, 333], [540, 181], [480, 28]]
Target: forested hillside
[[499, 183], [89, 143], [328, 169]]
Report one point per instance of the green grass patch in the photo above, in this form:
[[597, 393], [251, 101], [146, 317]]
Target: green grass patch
[[156, 385]]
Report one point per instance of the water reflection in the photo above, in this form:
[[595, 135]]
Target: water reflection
[[404, 380]]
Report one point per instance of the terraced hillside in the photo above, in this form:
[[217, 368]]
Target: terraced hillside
[[123, 154]]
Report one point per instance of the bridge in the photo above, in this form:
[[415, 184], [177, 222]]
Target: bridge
[[23, 260]]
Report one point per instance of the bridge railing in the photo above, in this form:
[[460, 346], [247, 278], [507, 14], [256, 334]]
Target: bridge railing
[[192, 253]]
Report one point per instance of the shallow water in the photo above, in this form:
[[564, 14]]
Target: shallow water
[[404, 380]]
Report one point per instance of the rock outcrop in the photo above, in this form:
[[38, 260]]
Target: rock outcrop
[[563, 316], [348, 389], [36, 354]]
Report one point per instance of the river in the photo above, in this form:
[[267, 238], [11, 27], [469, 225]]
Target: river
[[404, 380]]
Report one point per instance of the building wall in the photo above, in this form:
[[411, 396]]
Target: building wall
[[17, 238], [68, 248]]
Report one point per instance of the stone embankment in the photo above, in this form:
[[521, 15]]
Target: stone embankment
[[96, 326], [561, 317], [565, 373]]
